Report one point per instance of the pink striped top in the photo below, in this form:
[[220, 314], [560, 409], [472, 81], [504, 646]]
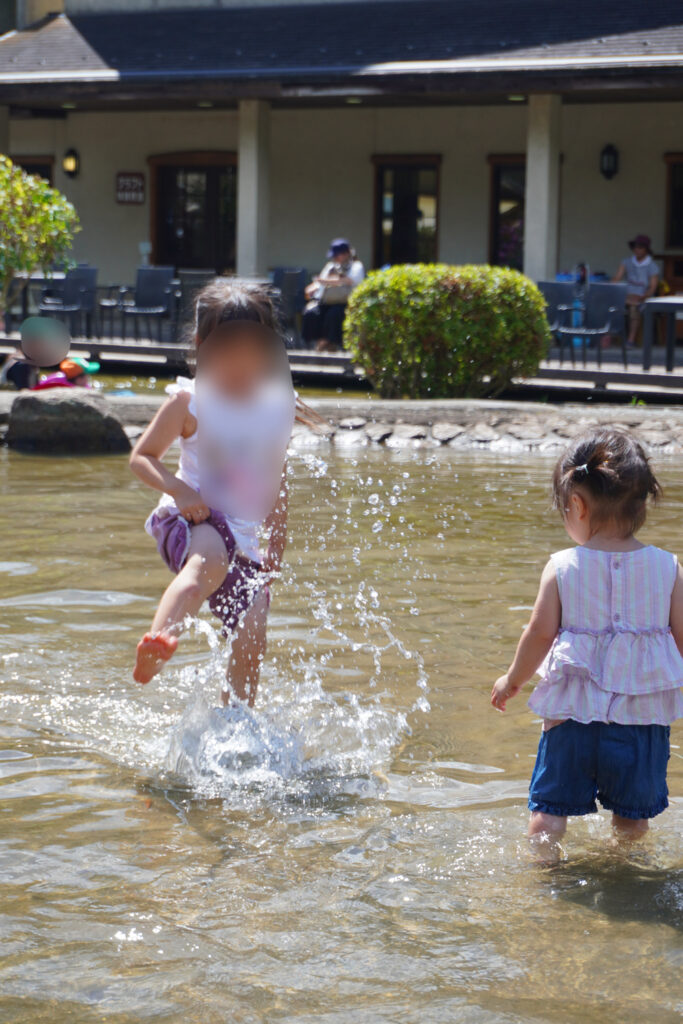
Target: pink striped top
[[614, 659]]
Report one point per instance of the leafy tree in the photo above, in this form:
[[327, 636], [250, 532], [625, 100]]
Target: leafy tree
[[37, 227]]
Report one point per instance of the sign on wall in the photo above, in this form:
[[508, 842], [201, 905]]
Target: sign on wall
[[130, 187]]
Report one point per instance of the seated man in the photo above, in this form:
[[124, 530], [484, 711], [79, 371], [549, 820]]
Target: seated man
[[642, 277], [328, 294]]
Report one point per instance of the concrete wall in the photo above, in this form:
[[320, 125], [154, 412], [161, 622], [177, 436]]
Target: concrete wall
[[321, 174]]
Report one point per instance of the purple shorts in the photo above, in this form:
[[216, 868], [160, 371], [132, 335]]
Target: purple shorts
[[244, 580]]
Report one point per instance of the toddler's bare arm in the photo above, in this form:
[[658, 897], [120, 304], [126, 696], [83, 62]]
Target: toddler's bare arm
[[676, 618], [535, 642]]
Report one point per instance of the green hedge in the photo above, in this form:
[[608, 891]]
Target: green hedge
[[432, 330]]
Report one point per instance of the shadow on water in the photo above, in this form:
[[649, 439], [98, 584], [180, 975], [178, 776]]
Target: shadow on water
[[623, 885]]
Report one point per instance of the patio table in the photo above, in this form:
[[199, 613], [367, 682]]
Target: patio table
[[38, 277], [669, 305]]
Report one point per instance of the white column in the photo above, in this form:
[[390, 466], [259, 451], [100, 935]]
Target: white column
[[4, 130], [253, 171], [541, 211]]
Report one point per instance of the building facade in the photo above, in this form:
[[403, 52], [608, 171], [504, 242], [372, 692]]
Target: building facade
[[240, 137]]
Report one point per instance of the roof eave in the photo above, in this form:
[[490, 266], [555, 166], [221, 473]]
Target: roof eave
[[626, 63]]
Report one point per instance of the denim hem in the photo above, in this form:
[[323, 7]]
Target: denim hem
[[635, 814], [561, 812]]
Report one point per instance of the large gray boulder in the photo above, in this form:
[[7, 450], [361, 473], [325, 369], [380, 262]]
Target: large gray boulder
[[65, 421]]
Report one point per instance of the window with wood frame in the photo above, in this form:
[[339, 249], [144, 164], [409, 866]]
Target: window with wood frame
[[506, 210], [674, 200], [406, 209], [193, 208], [41, 166]]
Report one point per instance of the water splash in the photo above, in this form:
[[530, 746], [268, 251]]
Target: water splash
[[301, 743]]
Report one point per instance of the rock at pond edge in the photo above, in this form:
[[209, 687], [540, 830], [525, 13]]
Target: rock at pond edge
[[445, 432], [379, 432], [65, 421]]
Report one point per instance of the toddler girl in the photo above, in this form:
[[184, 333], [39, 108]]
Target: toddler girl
[[234, 423], [607, 627]]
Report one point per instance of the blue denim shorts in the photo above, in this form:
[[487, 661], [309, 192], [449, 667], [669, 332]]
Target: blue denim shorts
[[624, 766]]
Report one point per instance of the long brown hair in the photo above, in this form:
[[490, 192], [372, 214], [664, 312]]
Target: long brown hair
[[231, 299]]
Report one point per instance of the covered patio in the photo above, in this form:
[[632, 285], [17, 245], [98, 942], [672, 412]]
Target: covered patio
[[420, 130]]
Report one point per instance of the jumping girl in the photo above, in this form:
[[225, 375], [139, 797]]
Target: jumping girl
[[234, 422], [607, 633]]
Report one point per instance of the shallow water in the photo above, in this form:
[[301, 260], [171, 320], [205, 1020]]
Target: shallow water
[[353, 850]]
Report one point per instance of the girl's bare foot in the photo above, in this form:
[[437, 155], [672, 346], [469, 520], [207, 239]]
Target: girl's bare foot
[[152, 651]]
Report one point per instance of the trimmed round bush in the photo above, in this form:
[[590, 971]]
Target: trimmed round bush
[[437, 331]]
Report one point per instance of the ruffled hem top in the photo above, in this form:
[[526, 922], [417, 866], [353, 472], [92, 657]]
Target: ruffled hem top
[[615, 658]]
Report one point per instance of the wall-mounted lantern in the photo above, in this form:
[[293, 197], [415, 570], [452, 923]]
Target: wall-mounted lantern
[[609, 161], [71, 163]]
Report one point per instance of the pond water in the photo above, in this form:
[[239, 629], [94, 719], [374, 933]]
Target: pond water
[[353, 851]]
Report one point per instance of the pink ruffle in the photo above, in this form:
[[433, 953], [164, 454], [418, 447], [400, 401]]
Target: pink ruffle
[[579, 699], [621, 662]]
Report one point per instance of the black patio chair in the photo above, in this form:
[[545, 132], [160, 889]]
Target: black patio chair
[[74, 299], [559, 296], [603, 314], [290, 283], [153, 299]]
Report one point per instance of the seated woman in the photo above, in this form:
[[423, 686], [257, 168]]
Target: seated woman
[[328, 294], [642, 277]]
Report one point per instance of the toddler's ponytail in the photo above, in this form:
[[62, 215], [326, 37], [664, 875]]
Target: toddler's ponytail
[[615, 473]]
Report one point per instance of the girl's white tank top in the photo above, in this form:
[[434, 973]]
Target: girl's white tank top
[[236, 456]]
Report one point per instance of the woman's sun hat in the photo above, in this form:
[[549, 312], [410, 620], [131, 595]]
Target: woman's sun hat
[[76, 367], [641, 240], [337, 246]]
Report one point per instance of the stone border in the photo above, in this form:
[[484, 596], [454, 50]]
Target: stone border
[[453, 423], [488, 425]]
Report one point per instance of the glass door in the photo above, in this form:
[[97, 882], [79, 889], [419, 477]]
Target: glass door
[[406, 204], [196, 215], [508, 180]]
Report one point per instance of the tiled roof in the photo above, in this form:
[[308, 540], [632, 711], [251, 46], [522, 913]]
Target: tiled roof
[[359, 39]]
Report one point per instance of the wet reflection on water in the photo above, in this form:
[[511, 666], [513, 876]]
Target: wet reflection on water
[[352, 851]]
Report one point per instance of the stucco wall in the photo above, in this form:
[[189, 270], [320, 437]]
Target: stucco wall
[[321, 175], [107, 144], [598, 216], [323, 180]]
